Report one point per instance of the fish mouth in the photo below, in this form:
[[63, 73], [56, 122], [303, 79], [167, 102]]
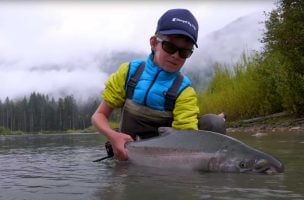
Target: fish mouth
[[265, 167]]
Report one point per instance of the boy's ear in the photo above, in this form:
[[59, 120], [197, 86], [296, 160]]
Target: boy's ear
[[153, 43]]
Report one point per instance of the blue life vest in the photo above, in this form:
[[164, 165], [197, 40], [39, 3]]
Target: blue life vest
[[152, 89]]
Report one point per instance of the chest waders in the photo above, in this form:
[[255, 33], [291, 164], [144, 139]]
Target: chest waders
[[142, 121]]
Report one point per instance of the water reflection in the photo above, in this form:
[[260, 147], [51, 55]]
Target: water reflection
[[61, 167], [132, 182]]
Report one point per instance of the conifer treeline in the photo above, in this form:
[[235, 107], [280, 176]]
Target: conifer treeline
[[41, 113]]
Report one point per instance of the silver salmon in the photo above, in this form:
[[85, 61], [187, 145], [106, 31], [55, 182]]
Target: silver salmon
[[201, 150]]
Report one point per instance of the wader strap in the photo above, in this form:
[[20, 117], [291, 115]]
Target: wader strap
[[133, 80], [172, 94]]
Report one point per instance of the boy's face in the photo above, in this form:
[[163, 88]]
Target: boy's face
[[169, 62]]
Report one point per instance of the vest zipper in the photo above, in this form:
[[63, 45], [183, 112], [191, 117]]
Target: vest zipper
[[147, 93]]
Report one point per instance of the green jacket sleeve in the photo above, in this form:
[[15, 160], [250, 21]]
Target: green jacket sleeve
[[186, 110], [114, 93]]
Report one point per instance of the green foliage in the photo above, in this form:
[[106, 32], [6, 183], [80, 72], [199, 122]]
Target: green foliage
[[4, 131], [114, 124], [240, 93], [72, 131], [284, 41], [90, 129], [272, 81]]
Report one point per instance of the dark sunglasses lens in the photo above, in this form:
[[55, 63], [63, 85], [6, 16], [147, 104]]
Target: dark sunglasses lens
[[171, 49], [185, 53]]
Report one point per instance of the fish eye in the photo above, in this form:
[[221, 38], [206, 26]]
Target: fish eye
[[246, 164], [243, 164]]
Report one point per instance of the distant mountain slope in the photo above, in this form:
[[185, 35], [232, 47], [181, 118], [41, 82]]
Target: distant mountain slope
[[226, 45]]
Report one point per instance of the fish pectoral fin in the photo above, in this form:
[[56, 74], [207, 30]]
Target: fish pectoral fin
[[262, 165]]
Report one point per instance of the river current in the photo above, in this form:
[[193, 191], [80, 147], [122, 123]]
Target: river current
[[59, 166]]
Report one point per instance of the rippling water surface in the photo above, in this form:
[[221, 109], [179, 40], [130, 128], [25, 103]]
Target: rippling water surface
[[60, 166]]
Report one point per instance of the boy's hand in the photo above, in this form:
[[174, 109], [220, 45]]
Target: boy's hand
[[118, 143]]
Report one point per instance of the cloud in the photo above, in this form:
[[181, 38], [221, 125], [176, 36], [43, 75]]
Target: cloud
[[226, 46], [51, 46], [81, 83]]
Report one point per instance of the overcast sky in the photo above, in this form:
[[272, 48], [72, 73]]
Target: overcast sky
[[33, 34]]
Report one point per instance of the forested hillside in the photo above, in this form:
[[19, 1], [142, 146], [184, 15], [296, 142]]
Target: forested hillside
[[39, 113]]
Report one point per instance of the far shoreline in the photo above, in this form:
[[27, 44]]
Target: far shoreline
[[275, 123]]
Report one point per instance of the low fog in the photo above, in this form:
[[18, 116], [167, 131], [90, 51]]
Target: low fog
[[71, 49]]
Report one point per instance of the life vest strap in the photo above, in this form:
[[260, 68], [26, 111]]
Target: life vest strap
[[170, 96], [133, 80]]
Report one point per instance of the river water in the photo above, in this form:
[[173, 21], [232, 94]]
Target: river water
[[59, 166]]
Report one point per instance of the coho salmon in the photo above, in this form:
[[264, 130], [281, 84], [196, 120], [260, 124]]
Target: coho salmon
[[200, 150]]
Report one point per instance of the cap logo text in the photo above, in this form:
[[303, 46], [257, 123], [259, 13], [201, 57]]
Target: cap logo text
[[184, 21]]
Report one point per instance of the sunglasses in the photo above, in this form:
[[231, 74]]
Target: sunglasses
[[170, 48]]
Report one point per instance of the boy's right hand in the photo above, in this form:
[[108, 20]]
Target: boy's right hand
[[118, 144]]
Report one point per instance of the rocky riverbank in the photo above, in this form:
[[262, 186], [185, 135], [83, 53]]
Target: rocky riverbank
[[279, 122]]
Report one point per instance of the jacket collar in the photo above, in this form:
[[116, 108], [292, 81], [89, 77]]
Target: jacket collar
[[150, 64]]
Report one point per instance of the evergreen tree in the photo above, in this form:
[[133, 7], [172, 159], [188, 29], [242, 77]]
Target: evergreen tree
[[284, 47], [40, 113], [1, 114]]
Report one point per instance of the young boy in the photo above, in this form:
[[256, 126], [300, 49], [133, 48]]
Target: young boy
[[153, 93]]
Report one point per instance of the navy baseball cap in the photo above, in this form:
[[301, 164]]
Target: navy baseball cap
[[178, 21]]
